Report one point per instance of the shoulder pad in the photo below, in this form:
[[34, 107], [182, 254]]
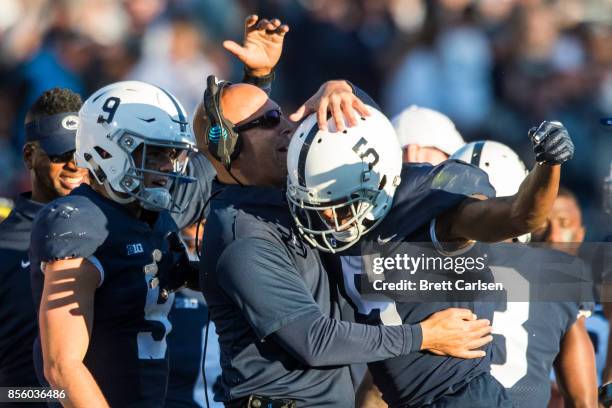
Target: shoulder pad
[[69, 227]]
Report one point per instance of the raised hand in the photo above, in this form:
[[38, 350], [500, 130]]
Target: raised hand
[[552, 143], [336, 97], [262, 44]]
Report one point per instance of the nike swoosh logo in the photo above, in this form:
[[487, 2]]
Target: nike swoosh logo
[[25, 264], [382, 241]]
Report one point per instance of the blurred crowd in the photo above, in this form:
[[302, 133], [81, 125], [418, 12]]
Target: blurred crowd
[[495, 67]]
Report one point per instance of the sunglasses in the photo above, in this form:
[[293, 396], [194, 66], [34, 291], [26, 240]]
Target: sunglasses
[[268, 120], [61, 158]]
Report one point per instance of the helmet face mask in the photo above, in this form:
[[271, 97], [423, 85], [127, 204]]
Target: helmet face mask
[[151, 152], [135, 140], [337, 225], [340, 184]]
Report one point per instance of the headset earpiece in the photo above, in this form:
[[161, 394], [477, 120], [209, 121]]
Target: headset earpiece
[[223, 143]]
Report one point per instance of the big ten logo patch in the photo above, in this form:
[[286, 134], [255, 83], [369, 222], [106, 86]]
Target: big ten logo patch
[[133, 249], [186, 303]]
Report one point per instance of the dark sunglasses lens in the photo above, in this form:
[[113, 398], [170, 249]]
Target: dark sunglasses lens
[[62, 158], [271, 118]]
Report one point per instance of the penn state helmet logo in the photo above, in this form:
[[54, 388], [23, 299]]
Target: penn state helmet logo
[[70, 122]]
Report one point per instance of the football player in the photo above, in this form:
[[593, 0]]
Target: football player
[[347, 189], [50, 129], [531, 336], [101, 257]]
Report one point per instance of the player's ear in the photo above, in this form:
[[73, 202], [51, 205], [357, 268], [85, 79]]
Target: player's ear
[[28, 155]]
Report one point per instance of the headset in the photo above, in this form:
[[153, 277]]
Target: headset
[[223, 142]]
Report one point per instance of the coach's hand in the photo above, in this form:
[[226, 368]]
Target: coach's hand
[[336, 97], [262, 44], [455, 332], [551, 143]]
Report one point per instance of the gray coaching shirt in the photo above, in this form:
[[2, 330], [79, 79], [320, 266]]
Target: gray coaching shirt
[[275, 311]]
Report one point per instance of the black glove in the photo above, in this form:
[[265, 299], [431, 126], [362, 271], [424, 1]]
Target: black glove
[[183, 272], [551, 143]]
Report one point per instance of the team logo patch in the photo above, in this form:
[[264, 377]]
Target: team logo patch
[[133, 249], [70, 122]]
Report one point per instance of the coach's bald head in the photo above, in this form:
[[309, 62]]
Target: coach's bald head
[[263, 158]]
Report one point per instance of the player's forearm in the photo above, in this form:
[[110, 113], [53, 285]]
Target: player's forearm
[[575, 368], [533, 202], [317, 340], [75, 379]]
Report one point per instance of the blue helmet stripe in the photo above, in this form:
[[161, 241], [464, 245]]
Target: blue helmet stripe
[[477, 153], [182, 119], [304, 154]]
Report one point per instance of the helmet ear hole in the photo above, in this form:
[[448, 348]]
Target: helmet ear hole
[[103, 153]]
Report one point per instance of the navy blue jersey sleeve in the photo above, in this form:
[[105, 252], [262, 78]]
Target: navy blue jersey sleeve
[[194, 196], [317, 340], [264, 284], [70, 227], [457, 177]]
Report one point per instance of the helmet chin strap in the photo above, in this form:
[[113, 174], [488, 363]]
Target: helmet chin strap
[[348, 235], [155, 199], [115, 197]]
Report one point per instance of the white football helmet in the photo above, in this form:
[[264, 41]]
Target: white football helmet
[[122, 117], [341, 184], [505, 169]]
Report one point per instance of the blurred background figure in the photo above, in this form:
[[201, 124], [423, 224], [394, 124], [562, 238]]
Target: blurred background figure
[[426, 136], [6, 205], [173, 57], [189, 318], [564, 229]]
